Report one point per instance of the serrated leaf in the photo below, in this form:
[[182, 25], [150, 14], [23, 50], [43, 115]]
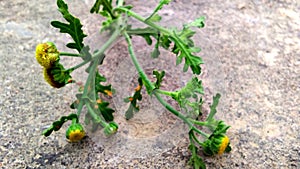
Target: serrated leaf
[[213, 107], [133, 107], [105, 4], [155, 18], [73, 28], [155, 53], [106, 111], [185, 35], [195, 160], [85, 54], [159, 77], [107, 90], [158, 7], [182, 50], [199, 23]]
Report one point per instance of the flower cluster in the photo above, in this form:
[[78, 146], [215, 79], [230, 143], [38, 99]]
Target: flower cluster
[[55, 74]]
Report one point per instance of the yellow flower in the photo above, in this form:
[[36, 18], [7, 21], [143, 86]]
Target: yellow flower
[[216, 144], [223, 145], [75, 132], [49, 77], [46, 54], [57, 76]]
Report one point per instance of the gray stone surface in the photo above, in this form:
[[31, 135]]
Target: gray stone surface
[[254, 45]]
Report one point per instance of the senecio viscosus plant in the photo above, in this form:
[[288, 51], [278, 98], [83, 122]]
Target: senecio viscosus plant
[[92, 95]]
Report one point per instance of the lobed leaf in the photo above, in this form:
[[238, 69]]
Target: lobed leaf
[[73, 27]]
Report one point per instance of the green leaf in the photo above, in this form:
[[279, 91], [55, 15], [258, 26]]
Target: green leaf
[[106, 111], [159, 77], [185, 35], [183, 50], [58, 124], [85, 54], [133, 107], [107, 90], [105, 8], [156, 52], [130, 111], [155, 18], [195, 160], [106, 4], [199, 23], [75, 104], [213, 107], [188, 99], [73, 28], [159, 7]]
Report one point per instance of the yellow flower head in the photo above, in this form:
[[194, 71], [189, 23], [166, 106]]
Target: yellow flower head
[[75, 132], [57, 76], [223, 145], [46, 54], [216, 144]]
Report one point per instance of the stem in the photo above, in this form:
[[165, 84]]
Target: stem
[[136, 63], [200, 123], [149, 83], [69, 54], [167, 93], [194, 138], [200, 132], [75, 120], [142, 19], [77, 66], [96, 58]]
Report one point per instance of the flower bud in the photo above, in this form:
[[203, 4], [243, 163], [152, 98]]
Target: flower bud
[[46, 54], [111, 128], [57, 76], [75, 132], [216, 144]]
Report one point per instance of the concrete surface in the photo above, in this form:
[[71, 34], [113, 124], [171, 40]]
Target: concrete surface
[[253, 52]]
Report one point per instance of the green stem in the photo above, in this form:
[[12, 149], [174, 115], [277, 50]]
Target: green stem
[[69, 54], [75, 120], [194, 138], [77, 66], [99, 55], [200, 123], [137, 65], [144, 20], [200, 132], [167, 93], [149, 83]]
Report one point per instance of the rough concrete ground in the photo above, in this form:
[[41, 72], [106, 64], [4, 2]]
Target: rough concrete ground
[[257, 46]]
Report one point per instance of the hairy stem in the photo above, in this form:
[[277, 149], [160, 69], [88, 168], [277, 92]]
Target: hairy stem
[[144, 20], [149, 83], [98, 56], [77, 66], [69, 54]]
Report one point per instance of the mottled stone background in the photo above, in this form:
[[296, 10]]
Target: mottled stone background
[[252, 51]]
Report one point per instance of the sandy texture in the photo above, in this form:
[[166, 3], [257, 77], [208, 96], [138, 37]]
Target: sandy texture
[[252, 55]]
